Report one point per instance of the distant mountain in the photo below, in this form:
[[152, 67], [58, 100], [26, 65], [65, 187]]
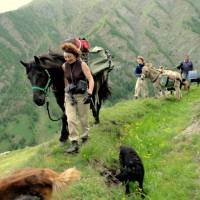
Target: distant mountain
[[162, 31]]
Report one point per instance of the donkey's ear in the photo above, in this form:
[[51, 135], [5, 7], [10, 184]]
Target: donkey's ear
[[23, 63], [37, 60]]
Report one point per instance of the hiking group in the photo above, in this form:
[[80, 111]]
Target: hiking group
[[79, 87], [185, 75]]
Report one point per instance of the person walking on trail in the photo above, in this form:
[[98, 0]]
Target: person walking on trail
[[141, 85], [185, 67], [79, 84]]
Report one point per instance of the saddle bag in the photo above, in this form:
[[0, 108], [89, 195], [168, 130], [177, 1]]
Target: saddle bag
[[170, 83], [165, 81], [192, 74]]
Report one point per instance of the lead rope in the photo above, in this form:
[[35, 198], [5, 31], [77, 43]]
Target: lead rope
[[47, 107], [54, 120]]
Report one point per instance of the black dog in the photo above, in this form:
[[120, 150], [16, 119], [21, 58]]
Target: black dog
[[197, 80], [131, 168]]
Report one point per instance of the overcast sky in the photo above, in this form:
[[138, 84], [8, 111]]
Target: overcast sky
[[6, 5]]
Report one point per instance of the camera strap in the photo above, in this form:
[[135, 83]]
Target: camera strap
[[72, 98], [71, 74]]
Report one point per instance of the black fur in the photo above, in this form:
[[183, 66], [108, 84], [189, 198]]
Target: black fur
[[131, 168], [52, 63], [197, 80]]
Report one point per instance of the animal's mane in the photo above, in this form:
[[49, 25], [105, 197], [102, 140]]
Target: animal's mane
[[56, 55], [149, 65], [52, 60]]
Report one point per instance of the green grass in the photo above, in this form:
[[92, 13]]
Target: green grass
[[195, 7], [151, 126], [154, 39], [6, 35], [124, 20], [98, 26], [163, 8], [154, 21], [193, 24]]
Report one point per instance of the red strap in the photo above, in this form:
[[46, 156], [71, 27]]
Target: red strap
[[78, 43]]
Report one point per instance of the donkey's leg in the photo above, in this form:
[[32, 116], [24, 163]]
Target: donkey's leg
[[157, 89], [160, 88], [163, 91], [177, 89]]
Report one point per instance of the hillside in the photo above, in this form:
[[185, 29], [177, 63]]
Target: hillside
[[162, 31], [165, 133]]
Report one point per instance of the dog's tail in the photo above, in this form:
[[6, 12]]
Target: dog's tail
[[65, 178]]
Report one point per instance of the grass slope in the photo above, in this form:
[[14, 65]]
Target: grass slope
[[155, 29], [154, 127]]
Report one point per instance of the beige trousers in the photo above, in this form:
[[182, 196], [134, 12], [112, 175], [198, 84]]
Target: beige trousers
[[141, 88], [77, 117]]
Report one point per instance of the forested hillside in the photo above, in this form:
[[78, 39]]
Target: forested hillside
[[162, 31]]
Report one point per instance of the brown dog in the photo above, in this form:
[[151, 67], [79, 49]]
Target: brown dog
[[36, 182], [186, 85]]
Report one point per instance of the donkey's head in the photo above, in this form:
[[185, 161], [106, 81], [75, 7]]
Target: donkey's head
[[39, 79], [146, 70]]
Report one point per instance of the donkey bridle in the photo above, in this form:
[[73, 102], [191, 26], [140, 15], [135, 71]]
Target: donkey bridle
[[44, 89]]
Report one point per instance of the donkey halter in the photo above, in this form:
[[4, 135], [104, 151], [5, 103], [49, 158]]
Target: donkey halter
[[44, 89]]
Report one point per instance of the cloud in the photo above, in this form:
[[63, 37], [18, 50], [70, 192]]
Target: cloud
[[7, 5]]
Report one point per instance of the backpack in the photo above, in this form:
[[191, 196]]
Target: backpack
[[100, 60], [80, 43], [84, 45]]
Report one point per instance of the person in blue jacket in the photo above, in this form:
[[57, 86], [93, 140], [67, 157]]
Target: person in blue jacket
[[185, 67], [141, 85]]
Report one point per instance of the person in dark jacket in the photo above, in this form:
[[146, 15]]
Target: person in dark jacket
[[185, 67], [141, 85]]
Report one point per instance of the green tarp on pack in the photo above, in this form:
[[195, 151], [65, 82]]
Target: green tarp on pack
[[99, 60], [166, 82]]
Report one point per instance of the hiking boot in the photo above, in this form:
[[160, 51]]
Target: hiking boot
[[73, 148], [84, 139]]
